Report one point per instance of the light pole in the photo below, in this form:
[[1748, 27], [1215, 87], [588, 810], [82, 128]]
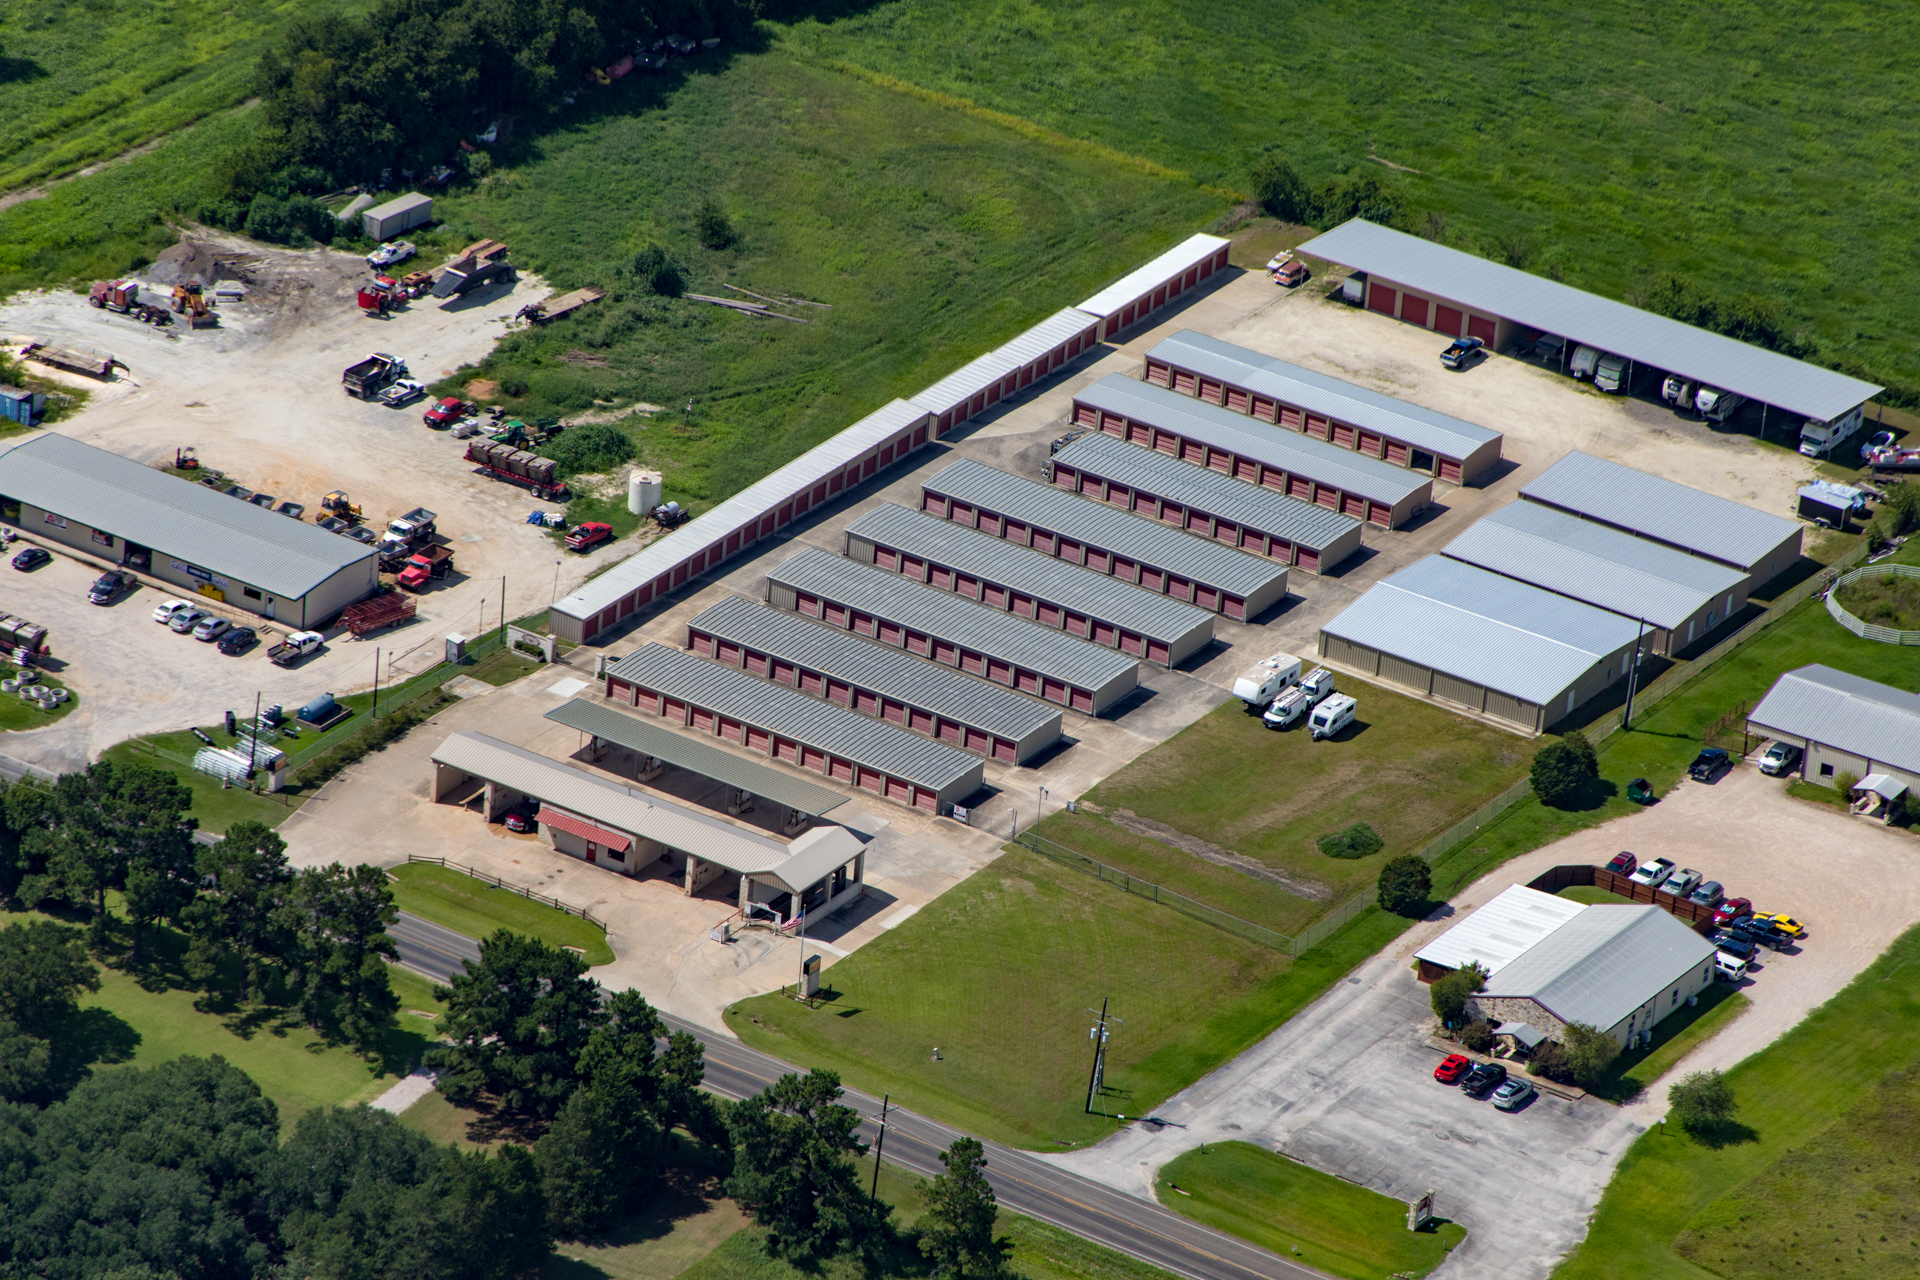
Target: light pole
[[1040, 810], [556, 592], [880, 1143]]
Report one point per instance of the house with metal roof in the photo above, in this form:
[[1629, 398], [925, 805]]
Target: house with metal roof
[[630, 831], [955, 632], [1843, 723], [114, 509], [872, 679], [1008, 369], [1255, 518], [1680, 597], [1497, 933], [1145, 289], [1458, 634], [1327, 408], [1247, 449], [1459, 295], [1759, 545], [1030, 584]]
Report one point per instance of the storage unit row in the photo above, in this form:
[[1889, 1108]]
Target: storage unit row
[[1008, 369]]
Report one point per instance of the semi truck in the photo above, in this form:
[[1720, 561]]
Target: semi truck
[[517, 466], [366, 379]]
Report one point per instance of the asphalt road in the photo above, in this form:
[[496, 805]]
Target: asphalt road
[[1023, 1183]]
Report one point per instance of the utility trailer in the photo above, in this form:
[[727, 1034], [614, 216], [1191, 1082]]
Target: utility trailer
[[380, 611], [555, 307], [517, 466], [78, 359]]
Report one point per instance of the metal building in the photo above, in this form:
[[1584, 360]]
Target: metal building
[[956, 709], [1144, 290], [952, 631], [1204, 502], [1028, 583], [1326, 408], [1246, 449], [1007, 370], [1461, 635], [1844, 723]]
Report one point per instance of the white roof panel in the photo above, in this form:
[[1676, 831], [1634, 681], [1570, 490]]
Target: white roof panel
[[1604, 963], [1847, 712], [1501, 931], [1190, 252]]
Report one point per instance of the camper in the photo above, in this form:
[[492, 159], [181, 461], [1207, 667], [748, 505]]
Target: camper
[[1679, 392], [1817, 439], [1610, 374], [1716, 405], [1584, 358], [1259, 684], [1333, 715]]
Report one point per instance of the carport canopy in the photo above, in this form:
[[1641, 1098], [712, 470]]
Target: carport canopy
[[696, 757]]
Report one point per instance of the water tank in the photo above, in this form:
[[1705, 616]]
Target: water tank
[[644, 491], [319, 710]]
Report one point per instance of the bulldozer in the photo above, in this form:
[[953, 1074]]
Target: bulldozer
[[191, 303], [335, 504]]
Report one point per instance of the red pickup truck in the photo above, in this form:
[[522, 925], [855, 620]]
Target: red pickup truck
[[587, 536], [445, 413]]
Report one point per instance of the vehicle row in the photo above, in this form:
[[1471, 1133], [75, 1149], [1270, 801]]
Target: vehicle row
[[1478, 1080], [1739, 930], [208, 628], [1276, 688]]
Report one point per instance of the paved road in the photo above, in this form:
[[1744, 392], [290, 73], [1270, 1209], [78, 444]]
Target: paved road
[[1023, 1183]]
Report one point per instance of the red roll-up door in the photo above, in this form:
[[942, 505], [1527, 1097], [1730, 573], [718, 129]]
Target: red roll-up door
[[1167, 444], [866, 703], [1397, 453], [837, 691], [887, 558], [702, 643], [1309, 560], [1300, 487], [673, 709], [1233, 607], [1316, 427], [786, 749], [1381, 299], [804, 603], [1107, 634], [1130, 643], [1328, 498], [759, 739], [1482, 328], [1049, 614], [1413, 310], [891, 710], [1078, 625], [899, 792], [978, 742], [1054, 691], [839, 770], [1275, 480], [813, 758], [1157, 373], [869, 779], [1236, 400], [945, 652], [999, 671], [1099, 561], [647, 700], [1354, 505], [731, 730], [918, 644], [1380, 513], [865, 624], [757, 663], [1157, 651], [702, 720], [836, 613], [1207, 598], [920, 720], [1081, 700], [1370, 444], [1221, 462], [1003, 750], [948, 731], [972, 663], [1026, 682], [1343, 434], [1446, 319], [1226, 531], [925, 799], [934, 503], [728, 652], [1183, 381], [1246, 469], [1450, 470], [813, 682], [1290, 416], [890, 633], [1085, 415], [967, 585], [941, 576], [1209, 391]]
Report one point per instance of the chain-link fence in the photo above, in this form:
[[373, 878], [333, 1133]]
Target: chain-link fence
[[389, 702]]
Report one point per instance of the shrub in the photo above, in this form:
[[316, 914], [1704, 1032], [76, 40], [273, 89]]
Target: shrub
[[1405, 884], [589, 449], [1357, 841], [297, 221], [658, 273], [1562, 770], [1589, 1051], [1283, 193], [1280, 190], [1449, 993], [1844, 782], [1477, 1035], [1549, 1060], [1702, 1101], [712, 226]]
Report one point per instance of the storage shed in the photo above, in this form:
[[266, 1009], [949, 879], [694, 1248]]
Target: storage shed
[[954, 632], [402, 213], [1132, 549], [1008, 369], [17, 404], [1327, 408], [1843, 723], [1234, 444], [1449, 631], [1031, 584], [1144, 290]]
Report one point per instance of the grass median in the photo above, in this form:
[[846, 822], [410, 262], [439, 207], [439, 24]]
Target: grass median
[[473, 907]]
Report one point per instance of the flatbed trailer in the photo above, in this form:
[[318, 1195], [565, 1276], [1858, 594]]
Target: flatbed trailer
[[79, 359], [517, 466], [381, 611]]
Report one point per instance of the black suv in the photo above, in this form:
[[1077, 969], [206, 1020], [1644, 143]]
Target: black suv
[[1483, 1080], [1709, 764], [107, 586]]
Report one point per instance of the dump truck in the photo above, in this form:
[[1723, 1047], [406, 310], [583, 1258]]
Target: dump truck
[[424, 566], [365, 379], [408, 531], [504, 462], [295, 649], [379, 611], [78, 359], [479, 264], [379, 296]]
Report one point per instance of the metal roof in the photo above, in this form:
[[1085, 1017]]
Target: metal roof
[[964, 383], [1758, 374], [176, 518], [1603, 964], [892, 673], [652, 738], [1501, 931], [743, 508], [1097, 524], [1846, 712], [1030, 572], [1190, 252], [1289, 451], [731, 692], [953, 618], [1306, 524], [1591, 562], [1422, 428], [1481, 627], [399, 204], [1056, 331], [1667, 510]]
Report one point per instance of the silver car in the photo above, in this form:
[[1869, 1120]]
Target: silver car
[[1708, 894], [210, 628], [185, 620], [1510, 1096], [1683, 882]]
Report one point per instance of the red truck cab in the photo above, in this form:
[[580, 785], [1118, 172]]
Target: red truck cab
[[445, 413], [589, 535]]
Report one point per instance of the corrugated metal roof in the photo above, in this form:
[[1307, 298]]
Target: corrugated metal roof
[[1096, 524], [1034, 573], [1758, 374], [1501, 931], [1591, 562], [933, 612], [176, 518], [1277, 447], [1058, 329], [1667, 510], [752, 502], [1847, 712], [650, 737], [1306, 524], [1422, 428], [1604, 963], [399, 204], [1190, 252], [736, 695], [889, 672], [964, 383], [1483, 628]]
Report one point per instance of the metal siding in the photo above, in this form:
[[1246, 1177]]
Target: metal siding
[[1170, 267], [1845, 713]]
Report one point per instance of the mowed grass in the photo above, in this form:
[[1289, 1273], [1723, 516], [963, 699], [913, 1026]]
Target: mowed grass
[[18, 713], [1674, 1037], [476, 908], [1301, 1213], [1592, 894]]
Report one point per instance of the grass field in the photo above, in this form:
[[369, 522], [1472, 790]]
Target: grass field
[[475, 908], [1679, 1034], [1590, 894], [1301, 1213], [1883, 602], [17, 713]]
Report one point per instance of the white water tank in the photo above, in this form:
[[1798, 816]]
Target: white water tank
[[644, 491]]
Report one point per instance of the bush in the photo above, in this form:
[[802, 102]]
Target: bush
[[658, 273], [1844, 782], [712, 226], [1405, 883], [1280, 190], [1477, 1035], [1589, 1052], [591, 449], [1562, 771], [1702, 1101], [1283, 193], [297, 221], [1549, 1060], [1357, 841], [1449, 993]]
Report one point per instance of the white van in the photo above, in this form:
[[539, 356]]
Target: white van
[[1584, 358], [1259, 684], [1333, 715], [1288, 709]]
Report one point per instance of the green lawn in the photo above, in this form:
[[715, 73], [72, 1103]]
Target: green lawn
[[502, 666], [1673, 1039], [1313, 1217], [1590, 894], [475, 908], [17, 713], [216, 807]]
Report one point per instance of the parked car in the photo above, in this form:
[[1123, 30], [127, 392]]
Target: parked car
[[185, 620], [1709, 765], [1290, 274], [1758, 933], [1728, 968], [1733, 909], [1782, 923], [1683, 882], [237, 640], [1623, 863], [1708, 894], [1451, 1068], [1653, 874], [168, 608], [1731, 943], [1483, 1080], [523, 818], [1512, 1095], [1464, 353], [31, 558], [209, 628], [1781, 757], [107, 586]]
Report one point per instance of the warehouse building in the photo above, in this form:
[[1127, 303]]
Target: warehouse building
[[1031, 514], [1007, 370], [1680, 597], [1204, 502], [1731, 533], [1521, 656], [1030, 584], [1246, 449], [1141, 292], [983, 642], [1844, 723], [876, 681], [1323, 407], [1458, 295], [788, 725], [197, 539]]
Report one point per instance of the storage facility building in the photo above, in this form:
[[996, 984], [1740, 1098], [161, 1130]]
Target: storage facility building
[[1681, 597], [954, 632], [1458, 295], [1007, 370], [1327, 408], [402, 213], [788, 725], [1141, 551], [1030, 584], [1247, 449], [1141, 292], [1759, 545], [1447, 630], [973, 715], [193, 537], [1844, 723], [1204, 502]]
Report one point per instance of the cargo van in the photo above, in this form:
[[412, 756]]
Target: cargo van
[[1610, 374], [1259, 684], [1331, 716], [1584, 358], [1293, 704]]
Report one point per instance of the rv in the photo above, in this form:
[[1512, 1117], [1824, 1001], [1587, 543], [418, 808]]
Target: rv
[[1333, 715], [1259, 684], [1817, 439]]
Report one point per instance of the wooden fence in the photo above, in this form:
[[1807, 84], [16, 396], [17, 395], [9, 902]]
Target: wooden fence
[[1563, 877]]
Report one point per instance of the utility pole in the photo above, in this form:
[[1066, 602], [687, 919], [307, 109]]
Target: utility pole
[[1040, 808], [1633, 677], [1099, 1033], [376, 684], [878, 1144]]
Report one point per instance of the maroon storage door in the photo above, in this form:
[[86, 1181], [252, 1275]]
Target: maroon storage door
[[1446, 319], [813, 758], [866, 703], [675, 710], [1309, 560], [1082, 701], [1343, 434], [920, 720], [703, 644], [1413, 310], [731, 731], [757, 663], [1003, 750], [759, 739], [1381, 299], [951, 732], [869, 779], [1482, 328], [1397, 453], [839, 770], [1450, 470], [1157, 651], [703, 720], [1354, 505], [1369, 444], [1054, 691], [925, 799], [1233, 607], [784, 749], [899, 792], [1328, 498], [729, 652], [647, 700], [891, 710], [1380, 513]]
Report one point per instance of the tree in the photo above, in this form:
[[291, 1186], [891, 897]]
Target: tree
[[792, 1173], [24, 1063], [1405, 884], [1702, 1101], [1548, 1059], [956, 1231], [597, 1159], [658, 273], [1589, 1052], [43, 969], [1449, 992], [1562, 771], [1280, 190], [712, 226], [242, 914], [119, 826], [1477, 1035], [338, 918], [518, 1022]]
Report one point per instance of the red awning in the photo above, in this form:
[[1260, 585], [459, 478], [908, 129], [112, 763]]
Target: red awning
[[584, 829]]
